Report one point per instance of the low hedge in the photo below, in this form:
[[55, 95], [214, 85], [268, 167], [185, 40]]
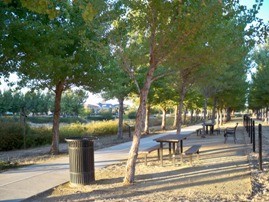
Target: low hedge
[[11, 133], [11, 136], [48, 119]]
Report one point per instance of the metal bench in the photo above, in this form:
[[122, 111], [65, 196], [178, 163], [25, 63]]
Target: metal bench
[[147, 151], [193, 150], [230, 132]]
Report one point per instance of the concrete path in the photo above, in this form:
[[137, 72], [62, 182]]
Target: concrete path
[[22, 183]]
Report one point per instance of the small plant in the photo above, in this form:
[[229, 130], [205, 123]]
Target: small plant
[[7, 165]]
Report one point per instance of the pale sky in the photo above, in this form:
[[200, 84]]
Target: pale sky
[[264, 11]]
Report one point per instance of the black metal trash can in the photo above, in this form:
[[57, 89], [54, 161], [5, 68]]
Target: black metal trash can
[[81, 160]]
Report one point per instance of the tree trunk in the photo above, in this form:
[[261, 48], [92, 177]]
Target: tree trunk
[[120, 124], [217, 118], [229, 114], [221, 117], [185, 117], [180, 108], [146, 126], [214, 110], [56, 118], [224, 116], [191, 119], [205, 112], [140, 118], [163, 126], [175, 118], [196, 115], [266, 115]]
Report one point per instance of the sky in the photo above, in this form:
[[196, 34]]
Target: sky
[[94, 99], [264, 11]]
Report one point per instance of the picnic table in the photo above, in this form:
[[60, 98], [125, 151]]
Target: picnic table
[[210, 126], [172, 140]]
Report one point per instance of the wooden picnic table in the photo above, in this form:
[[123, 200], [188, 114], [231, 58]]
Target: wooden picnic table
[[211, 126], [172, 140]]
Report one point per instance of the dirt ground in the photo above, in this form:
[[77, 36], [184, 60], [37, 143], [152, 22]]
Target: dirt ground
[[224, 172]]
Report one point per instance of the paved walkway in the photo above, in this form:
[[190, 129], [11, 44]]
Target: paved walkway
[[22, 183]]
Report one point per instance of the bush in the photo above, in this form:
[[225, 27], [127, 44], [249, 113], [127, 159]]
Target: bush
[[11, 133], [90, 129], [102, 127], [11, 136], [48, 119], [38, 136], [72, 130], [99, 118], [131, 114]]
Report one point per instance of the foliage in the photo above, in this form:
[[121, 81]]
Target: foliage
[[102, 128], [106, 113], [57, 44], [37, 102], [38, 137], [7, 165], [11, 133], [11, 136], [258, 96], [90, 129], [131, 114], [72, 102], [40, 120]]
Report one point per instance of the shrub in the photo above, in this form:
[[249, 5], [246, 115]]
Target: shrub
[[6, 119], [106, 113], [72, 130], [11, 136], [38, 136], [90, 129], [11, 133], [131, 114], [102, 127], [98, 118], [41, 120]]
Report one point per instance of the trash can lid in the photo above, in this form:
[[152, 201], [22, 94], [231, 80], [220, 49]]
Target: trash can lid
[[72, 139]]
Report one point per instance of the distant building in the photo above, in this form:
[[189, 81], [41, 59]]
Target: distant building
[[93, 107], [107, 105]]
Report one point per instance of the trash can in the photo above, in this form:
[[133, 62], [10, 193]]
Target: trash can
[[81, 160]]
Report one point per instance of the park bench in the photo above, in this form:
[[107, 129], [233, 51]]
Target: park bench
[[193, 150], [148, 150], [230, 132]]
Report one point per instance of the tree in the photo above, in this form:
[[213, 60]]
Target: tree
[[163, 96], [6, 100], [72, 102], [56, 44], [150, 26], [118, 85], [258, 95]]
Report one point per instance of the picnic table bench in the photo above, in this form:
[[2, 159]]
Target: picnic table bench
[[148, 150], [193, 150]]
